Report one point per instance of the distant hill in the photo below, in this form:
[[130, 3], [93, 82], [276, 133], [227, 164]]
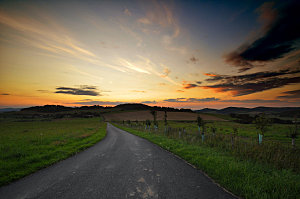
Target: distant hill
[[281, 111], [137, 106], [58, 108], [120, 107], [49, 109], [133, 106]]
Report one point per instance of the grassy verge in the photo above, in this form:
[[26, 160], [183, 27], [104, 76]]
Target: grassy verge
[[26, 147], [244, 178], [276, 132]]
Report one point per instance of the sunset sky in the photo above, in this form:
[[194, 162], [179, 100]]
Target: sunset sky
[[190, 54]]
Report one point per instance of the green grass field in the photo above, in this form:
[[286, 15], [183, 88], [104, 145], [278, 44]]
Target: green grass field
[[28, 146], [245, 178], [276, 132]]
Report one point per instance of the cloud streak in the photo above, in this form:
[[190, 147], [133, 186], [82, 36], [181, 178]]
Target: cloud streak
[[209, 99], [187, 85], [295, 94], [251, 83], [82, 90], [48, 35]]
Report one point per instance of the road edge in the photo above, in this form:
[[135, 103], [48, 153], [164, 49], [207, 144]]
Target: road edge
[[191, 165]]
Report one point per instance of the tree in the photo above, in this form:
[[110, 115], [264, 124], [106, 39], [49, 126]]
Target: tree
[[154, 114], [148, 124], [165, 118], [199, 122], [262, 123], [213, 130], [233, 135], [294, 131], [166, 123]]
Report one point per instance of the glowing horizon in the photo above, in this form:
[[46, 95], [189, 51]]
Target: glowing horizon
[[163, 53]]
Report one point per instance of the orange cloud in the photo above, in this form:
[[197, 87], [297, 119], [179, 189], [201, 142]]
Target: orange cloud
[[166, 72], [161, 14], [210, 74]]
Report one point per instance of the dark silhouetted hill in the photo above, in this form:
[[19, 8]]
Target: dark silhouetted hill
[[283, 111]]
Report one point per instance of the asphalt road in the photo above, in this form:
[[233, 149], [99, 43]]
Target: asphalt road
[[120, 166]]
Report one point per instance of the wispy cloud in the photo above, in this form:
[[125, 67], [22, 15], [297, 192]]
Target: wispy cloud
[[193, 60], [81, 90], [151, 66], [161, 14], [132, 66], [127, 12], [166, 72], [48, 35], [133, 34], [280, 32], [44, 91], [138, 91], [4, 94]]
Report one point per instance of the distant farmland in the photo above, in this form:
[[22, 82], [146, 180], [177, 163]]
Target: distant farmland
[[144, 115]]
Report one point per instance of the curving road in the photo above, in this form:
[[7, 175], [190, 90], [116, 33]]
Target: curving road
[[120, 166]]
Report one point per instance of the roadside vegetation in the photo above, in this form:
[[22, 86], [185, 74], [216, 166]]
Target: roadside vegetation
[[233, 154], [27, 146]]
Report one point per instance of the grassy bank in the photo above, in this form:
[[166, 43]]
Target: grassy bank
[[276, 132], [28, 146], [245, 178]]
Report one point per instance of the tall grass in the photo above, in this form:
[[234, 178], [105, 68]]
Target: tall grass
[[28, 146], [272, 152]]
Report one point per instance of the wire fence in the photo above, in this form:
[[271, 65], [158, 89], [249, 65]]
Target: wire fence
[[271, 152]]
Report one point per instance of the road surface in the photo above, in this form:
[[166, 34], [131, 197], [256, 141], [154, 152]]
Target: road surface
[[120, 166]]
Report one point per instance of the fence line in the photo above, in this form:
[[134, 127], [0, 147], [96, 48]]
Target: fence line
[[273, 152]]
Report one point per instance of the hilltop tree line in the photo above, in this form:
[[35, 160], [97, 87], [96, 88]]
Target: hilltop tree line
[[121, 107]]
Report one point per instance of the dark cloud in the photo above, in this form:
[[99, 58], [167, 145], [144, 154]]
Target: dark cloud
[[281, 32], [291, 95], [44, 91], [137, 91], [252, 76], [4, 94], [252, 83], [209, 99], [175, 100], [97, 103], [82, 90], [149, 102], [193, 59], [187, 85]]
